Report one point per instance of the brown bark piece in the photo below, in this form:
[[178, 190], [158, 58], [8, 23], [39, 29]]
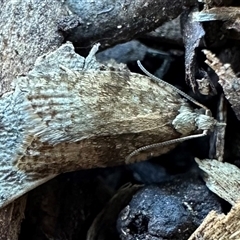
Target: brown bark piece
[[193, 32], [217, 13], [217, 141], [230, 15], [228, 80], [219, 226], [221, 178], [11, 218]]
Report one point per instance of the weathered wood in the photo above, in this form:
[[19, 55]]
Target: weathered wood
[[219, 226], [227, 79], [10, 219], [67, 115], [28, 29], [221, 178]]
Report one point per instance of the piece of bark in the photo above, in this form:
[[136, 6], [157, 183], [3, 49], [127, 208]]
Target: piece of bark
[[115, 22], [104, 225], [193, 33], [230, 16], [67, 115], [10, 219], [227, 79], [219, 226], [221, 178], [217, 13], [217, 142], [28, 29]]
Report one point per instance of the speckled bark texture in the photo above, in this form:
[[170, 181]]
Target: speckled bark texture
[[228, 80], [219, 226], [28, 29], [10, 219], [112, 22], [221, 178]]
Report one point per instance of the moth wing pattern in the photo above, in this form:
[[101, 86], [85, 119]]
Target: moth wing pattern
[[67, 115]]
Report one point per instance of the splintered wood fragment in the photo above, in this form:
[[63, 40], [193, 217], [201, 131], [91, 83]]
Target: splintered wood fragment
[[219, 226], [221, 178], [227, 79], [217, 141], [217, 13], [67, 114]]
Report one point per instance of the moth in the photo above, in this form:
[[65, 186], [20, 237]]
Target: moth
[[72, 113]]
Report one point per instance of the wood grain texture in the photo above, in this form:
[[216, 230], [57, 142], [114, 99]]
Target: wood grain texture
[[221, 178], [67, 114], [28, 29], [219, 226], [10, 219], [227, 79]]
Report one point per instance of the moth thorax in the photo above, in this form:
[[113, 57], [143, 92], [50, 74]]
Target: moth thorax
[[188, 121], [204, 122]]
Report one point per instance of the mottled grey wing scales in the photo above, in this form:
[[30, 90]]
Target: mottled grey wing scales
[[18, 127], [67, 115]]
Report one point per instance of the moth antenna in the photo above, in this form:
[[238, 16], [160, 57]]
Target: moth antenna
[[156, 145], [156, 79]]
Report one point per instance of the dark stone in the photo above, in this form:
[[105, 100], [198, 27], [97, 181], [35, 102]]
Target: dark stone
[[171, 210]]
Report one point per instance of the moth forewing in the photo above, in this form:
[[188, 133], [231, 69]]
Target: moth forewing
[[95, 119]]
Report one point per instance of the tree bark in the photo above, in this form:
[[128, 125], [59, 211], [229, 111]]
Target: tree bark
[[111, 22], [27, 29], [11, 218]]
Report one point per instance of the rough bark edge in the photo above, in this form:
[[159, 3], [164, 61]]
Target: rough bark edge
[[118, 21], [221, 178], [217, 13], [11, 218], [227, 79], [219, 226]]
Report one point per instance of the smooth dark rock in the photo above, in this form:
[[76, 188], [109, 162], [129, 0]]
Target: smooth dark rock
[[171, 210]]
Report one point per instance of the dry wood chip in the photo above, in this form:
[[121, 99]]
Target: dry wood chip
[[228, 80], [217, 13], [219, 226], [221, 178]]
